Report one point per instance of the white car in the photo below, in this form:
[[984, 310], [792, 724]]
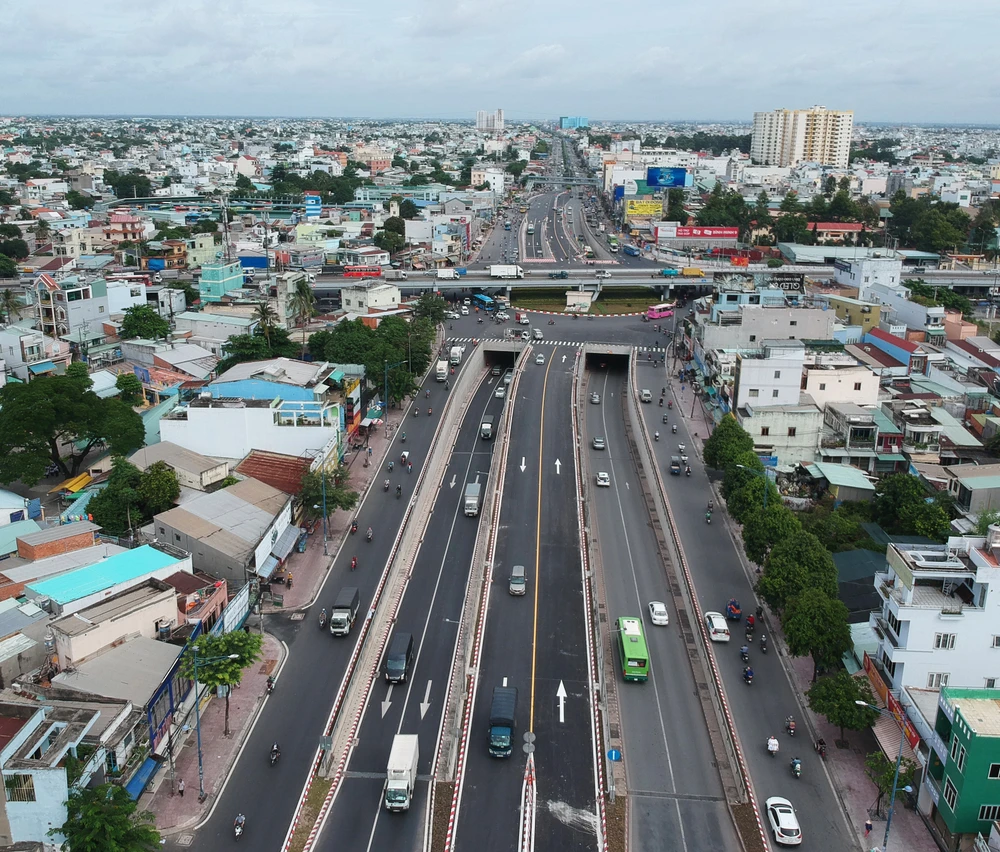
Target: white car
[[602, 273], [500, 392], [465, 311], [603, 479], [718, 630], [599, 443], [595, 398], [451, 314], [539, 358], [784, 823], [658, 613]]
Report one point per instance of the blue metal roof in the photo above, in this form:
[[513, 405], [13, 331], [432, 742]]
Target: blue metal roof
[[113, 571]]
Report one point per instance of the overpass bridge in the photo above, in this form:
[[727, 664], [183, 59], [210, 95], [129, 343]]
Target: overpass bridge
[[552, 182]]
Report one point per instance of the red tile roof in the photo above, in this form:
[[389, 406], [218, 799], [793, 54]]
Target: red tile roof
[[905, 345], [837, 226], [977, 352], [276, 469]]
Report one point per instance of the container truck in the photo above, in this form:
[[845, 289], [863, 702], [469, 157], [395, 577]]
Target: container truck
[[441, 371], [692, 272], [344, 611], [502, 712], [472, 492], [559, 275], [506, 271], [395, 275], [447, 274], [401, 772], [455, 356]]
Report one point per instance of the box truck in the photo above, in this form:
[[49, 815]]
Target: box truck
[[344, 611], [502, 712], [441, 371], [498, 270], [455, 356], [472, 492], [401, 772]]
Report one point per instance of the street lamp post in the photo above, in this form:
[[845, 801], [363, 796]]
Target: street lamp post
[[762, 474], [895, 776], [202, 795]]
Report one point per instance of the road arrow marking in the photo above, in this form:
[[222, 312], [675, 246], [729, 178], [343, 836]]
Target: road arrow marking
[[558, 467], [425, 705], [452, 483], [564, 358], [522, 464], [561, 695], [388, 701]]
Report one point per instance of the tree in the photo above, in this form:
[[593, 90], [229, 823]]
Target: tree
[[117, 507], [727, 440], [144, 322], [816, 624], [205, 226], [829, 186], [222, 671], [882, 773], [338, 495], [257, 347], [129, 388], [798, 561], [8, 267], [389, 241], [133, 184], [10, 231], [266, 318], [158, 488], [244, 184], [902, 505], [790, 203], [15, 248], [301, 303], [407, 209], [986, 520], [934, 232], [395, 225], [836, 698], [764, 528], [744, 493], [79, 201], [431, 307], [106, 819], [38, 418], [10, 305]]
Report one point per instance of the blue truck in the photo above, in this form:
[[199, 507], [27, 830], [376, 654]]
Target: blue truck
[[665, 273]]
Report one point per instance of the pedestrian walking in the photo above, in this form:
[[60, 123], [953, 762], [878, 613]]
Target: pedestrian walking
[[868, 826], [180, 787]]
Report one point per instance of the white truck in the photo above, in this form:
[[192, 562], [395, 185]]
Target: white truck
[[472, 492], [401, 773], [501, 270], [441, 371], [395, 275], [455, 356], [447, 274]]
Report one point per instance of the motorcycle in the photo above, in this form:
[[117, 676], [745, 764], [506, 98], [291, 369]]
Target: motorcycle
[[399, 491], [687, 471], [238, 825], [354, 527], [656, 436], [790, 726], [403, 437], [664, 418], [763, 643], [772, 746], [354, 562], [369, 535], [821, 748], [745, 654], [796, 767], [428, 412], [748, 676], [661, 402], [385, 485], [674, 429], [708, 517], [670, 403], [270, 684], [416, 412], [552, 322], [275, 754], [322, 619]]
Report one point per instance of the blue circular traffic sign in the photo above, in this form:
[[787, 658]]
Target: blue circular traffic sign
[[614, 755]]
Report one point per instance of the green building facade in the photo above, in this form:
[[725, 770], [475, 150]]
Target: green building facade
[[964, 768], [217, 279]]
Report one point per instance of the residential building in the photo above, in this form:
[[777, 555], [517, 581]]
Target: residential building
[[364, 256], [867, 272], [124, 227], [211, 331], [771, 375], [964, 767], [370, 295], [855, 312], [168, 301], [306, 381], [217, 279], [70, 306], [28, 352], [490, 122], [938, 619], [80, 242], [572, 122], [975, 487], [828, 381], [201, 249], [231, 533], [787, 137], [193, 470], [165, 254], [785, 434], [200, 598], [185, 358], [123, 295]]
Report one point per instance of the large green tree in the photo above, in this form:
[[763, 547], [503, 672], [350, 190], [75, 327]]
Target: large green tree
[[882, 773], [816, 624], [129, 388], [277, 343], [836, 697], [727, 440], [764, 528], [430, 306], [797, 562], [60, 420], [338, 493], [143, 321], [407, 209], [222, 660], [903, 505], [132, 497], [106, 819]]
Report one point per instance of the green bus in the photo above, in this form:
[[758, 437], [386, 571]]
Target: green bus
[[632, 649]]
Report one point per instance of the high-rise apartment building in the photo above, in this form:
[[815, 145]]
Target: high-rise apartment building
[[572, 122], [787, 137], [491, 122]]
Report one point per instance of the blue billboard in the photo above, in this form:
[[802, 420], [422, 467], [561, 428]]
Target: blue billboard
[[666, 178]]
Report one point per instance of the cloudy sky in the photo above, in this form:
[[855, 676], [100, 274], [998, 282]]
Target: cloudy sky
[[891, 60]]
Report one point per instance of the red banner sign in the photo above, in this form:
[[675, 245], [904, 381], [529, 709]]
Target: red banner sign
[[709, 233]]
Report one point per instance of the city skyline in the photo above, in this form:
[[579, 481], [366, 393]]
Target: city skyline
[[301, 59]]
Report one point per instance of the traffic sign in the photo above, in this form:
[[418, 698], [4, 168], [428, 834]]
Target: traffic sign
[[614, 755]]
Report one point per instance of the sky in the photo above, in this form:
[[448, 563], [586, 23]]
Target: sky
[[893, 60]]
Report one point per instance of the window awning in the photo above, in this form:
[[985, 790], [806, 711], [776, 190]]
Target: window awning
[[73, 484], [285, 543], [268, 568], [891, 457], [41, 367], [141, 778], [888, 733]]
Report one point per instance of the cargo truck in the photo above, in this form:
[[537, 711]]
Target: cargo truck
[[692, 272], [401, 772], [345, 611], [562, 273], [472, 492], [447, 274], [502, 712], [500, 270], [455, 356], [395, 275], [441, 371], [486, 427], [665, 273]]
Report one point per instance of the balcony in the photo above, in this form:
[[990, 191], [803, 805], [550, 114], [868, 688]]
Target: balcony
[[881, 626]]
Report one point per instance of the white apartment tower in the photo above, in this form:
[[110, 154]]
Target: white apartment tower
[[787, 137], [491, 122]]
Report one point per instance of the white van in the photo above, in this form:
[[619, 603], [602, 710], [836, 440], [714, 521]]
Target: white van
[[645, 395], [536, 333]]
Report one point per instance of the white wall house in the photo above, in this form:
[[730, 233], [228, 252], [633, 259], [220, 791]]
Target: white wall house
[[865, 272], [123, 295], [374, 297], [827, 383], [939, 624], [770, 376], [229, 428]]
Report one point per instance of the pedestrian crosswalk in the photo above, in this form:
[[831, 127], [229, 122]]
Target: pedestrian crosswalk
[[457, 341]]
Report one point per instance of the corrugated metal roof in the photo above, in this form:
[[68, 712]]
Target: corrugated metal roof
[[132, 671], [14, 645], [59, 533], [174, 455], [10, 533]]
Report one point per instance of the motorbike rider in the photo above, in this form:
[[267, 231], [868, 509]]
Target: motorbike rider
[[370, 533], [428, 412], [399, 490], [763, 642], [661, 402], [322, 616], [385, 485], [747, 674], [404, 434], [772, 744], [790, 725], [354, 526], [239, 821], [745, 653], [656, 436], [751, 623], [354, 562], [275, 751]]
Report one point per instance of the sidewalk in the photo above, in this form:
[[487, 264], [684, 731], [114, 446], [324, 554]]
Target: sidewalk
[[174, 811], [847, 767]]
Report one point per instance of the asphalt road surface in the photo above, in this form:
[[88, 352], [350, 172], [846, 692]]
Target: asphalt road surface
[[676, 800]]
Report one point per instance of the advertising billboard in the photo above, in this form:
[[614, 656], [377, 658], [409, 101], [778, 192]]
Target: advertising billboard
[[635, 208], [708, 233], [667, 178], [793, 282]]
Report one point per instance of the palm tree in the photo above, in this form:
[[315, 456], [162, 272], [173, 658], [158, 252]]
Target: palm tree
[[266, 318], [301, 305], [10, 305]]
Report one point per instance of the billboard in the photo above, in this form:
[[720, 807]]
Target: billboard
[[636, 208], [708, 233], [667, 178], [314, 206], [732, 280]]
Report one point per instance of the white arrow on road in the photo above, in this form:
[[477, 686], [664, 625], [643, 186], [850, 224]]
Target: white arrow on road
[[561, 695], [558, 467], [564, 358], [452, 483], [425, 705], [522, 464], [388, 701]]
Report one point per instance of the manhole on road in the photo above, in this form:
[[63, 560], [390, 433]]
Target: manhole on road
[[297, 616], [185, 840]]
